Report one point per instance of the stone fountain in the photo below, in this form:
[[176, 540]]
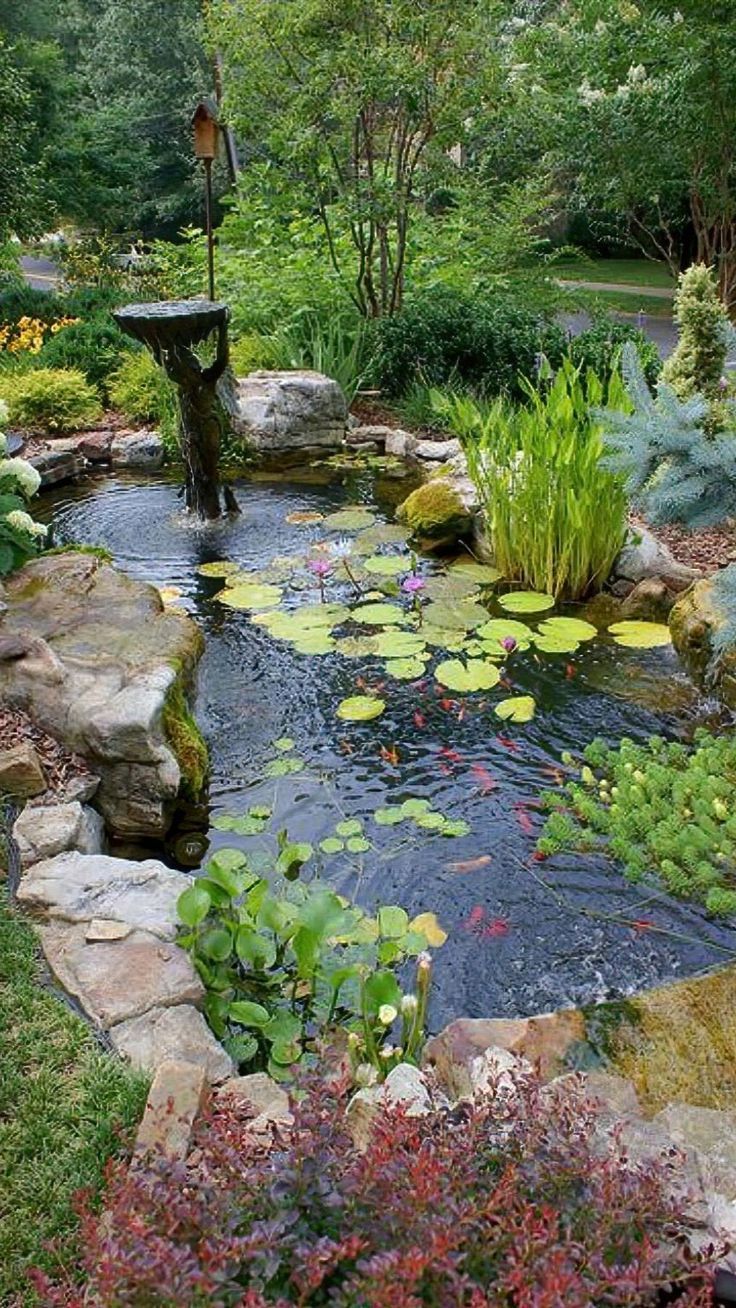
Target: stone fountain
[[171, 329]]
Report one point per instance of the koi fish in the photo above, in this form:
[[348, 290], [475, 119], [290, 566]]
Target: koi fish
[[523, 819], [419, 719], [508, 744], [390, 754], [484, 778], [470, 864]]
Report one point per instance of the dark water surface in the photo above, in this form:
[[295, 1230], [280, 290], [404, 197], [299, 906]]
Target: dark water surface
[[515, 944]]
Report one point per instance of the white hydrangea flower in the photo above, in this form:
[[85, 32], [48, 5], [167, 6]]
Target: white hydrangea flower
[[21, 472], [19, 520], [4, 413]]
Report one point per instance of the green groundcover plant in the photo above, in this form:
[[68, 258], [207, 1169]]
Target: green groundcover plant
[[556, 517], [286, 964], [50, 399], [663, 810], [507, 1203], [20, 536]]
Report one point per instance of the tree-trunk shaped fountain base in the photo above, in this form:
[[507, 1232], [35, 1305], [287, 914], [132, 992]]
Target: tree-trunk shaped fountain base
[[171, 329]]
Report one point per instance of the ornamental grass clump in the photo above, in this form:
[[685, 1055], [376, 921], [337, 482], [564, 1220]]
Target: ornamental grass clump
[[663, 810], [505, 1203], [555, 517]]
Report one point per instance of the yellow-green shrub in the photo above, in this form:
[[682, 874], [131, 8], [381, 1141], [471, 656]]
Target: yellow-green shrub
[[251, 353], [53, 399]]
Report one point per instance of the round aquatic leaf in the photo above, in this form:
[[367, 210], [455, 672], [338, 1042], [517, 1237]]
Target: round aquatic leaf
[[476, 674], [456, 827], [449, 586], [358, 845], [303, 518], [555, 644], [572, 628], [483, 574], [499, 629], [250, 595], [428, 926], [409, 669], [284, 745], [640, 635], [518, 708], [314, 642], [355, 519], [388, 817], [388, 565], [454, 641], [382, 533], [430, 821], [349, 827], [193, 905], [220, 568], [393, 922], [357, 647], [331, 845], [412, 807], [360, 708], [399, 644], [321, 615], [455, 615], [378, 615], [526, 601], [243, 577]]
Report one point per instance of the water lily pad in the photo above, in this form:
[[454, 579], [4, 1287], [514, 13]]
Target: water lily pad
[[351, 519], [450, 586], [388, 565], [360, 708], [283, 767], [390, 816], [349, 827], [640, 635], [243, 577], [314, 642], [500, 629], [555, 644], [303, 518], [453, 641], [331, 845], [574, 628], [357, 647], [400, 644], [476, 674], [382, 533], [378, 615], [359, 845], [481, 573], [430, 821], [220, 568], [526, 601], [456, 827], [408, 669], [284, 744], [411, 807], [518, 708], [454, 615], [250, 595]]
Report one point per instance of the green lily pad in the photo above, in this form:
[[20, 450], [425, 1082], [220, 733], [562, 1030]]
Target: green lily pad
[[455, 615], [476, 674], [641, 635], [518, 708], [555, 644], [331, 845], [314, 642], [430, 821], [450, 586], [381, 533], [351, 519], [390, 816], [454, 641], [574, 628], [283, 767], [357, 647], [411, 807], [408, 669], [321, 615], [388, 565], [220, 568], [358, 845], [250, 595], [481, 573], [378, 615], [284, 744], [456, 827], [526, 601], [243, 577], [360, 708], [349, 827], [399, 644], [499, 629]]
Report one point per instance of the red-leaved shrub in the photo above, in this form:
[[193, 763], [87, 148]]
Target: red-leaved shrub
[[508, 1203]]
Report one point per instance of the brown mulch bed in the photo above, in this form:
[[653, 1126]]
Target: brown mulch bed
[[60, 766], [707, 550]]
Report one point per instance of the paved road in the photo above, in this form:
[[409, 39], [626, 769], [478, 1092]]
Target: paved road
[[40, 273]]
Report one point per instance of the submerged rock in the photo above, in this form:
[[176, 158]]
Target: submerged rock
[[436, 514], [102, 666], [281, 411], [694, 620]]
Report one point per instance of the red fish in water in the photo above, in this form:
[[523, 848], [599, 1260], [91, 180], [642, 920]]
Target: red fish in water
[[496, 926], [539, 857], [641, 925], [508, 744], [470, 864], [450, 754], [523, 819], [390, 754], [419, 719], [447, 704], [570, 671], [484, 778]]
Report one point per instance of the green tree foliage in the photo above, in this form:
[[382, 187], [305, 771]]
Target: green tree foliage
[[361, 105]]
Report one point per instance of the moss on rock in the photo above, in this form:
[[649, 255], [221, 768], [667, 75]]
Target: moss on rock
[[693, 622], [435, 512], [186, 741]]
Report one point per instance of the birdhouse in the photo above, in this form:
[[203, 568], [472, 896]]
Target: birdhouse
[[206, 130]]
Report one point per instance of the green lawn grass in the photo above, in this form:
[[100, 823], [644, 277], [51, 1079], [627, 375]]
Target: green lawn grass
[[625, 302], [635, 272], [63, 1105]]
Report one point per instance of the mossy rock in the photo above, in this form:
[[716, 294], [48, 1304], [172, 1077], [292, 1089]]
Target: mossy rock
[[186, 742], [435, 513], [694, 620]]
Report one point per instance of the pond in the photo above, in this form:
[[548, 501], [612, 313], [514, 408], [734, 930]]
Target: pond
[[520, 935]]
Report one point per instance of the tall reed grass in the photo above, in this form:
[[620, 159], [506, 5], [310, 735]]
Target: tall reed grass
[[555, 517]]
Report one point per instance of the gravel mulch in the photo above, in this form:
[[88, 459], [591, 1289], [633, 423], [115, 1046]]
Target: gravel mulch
[[707, 550], [62, 768]]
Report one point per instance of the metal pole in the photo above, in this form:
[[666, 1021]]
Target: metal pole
[[208, 224]]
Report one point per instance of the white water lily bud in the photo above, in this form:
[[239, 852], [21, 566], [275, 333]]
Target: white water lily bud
[[354, 1040], [409, 1005], [391, 1051], [365, 1075], [387, 1014], [424, 962]]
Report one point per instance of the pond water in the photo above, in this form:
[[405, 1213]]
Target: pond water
[[519, 935]]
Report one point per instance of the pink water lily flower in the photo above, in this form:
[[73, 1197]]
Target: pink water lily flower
[[320, 567], [509, 644], [412, 585]]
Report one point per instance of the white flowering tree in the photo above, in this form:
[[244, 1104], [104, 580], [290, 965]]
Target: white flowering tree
[[20, 536], [639, 103]]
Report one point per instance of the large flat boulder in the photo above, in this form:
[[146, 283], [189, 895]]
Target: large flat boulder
[[94, 658], [277, 412], [77, 887]]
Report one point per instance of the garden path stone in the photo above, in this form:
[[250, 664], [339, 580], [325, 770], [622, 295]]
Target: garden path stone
[[120, 979], [102, 657], [172, 1106], [43, 831], [21, 773], [137, 449], [78, 887], [281, 411], [180, 1033]]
